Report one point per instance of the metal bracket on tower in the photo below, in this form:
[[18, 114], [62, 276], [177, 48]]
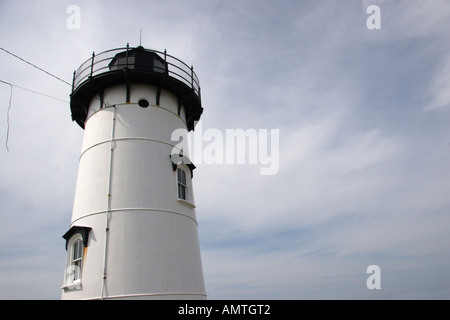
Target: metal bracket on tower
[[100, 94], [127, 83], [180, 104], [158, 91]]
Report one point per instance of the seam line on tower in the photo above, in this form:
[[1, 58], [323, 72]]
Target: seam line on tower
[[133, 209], [128, 138]]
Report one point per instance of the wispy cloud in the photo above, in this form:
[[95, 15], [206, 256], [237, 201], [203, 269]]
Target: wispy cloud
[[439, 89]]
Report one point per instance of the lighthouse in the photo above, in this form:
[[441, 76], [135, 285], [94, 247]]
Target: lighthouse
[[133, 232]]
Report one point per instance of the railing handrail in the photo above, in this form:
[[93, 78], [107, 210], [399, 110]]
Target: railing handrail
[[100, 61]]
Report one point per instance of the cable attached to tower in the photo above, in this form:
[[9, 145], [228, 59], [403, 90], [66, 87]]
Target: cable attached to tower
[[35, 66], [9, 106], [7, 115]]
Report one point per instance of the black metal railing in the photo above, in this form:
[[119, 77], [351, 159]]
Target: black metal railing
[[100, 63]]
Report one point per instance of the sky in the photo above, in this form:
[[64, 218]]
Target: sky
[[363, 147]]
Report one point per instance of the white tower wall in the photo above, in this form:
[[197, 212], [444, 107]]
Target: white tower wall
[[143, 241]]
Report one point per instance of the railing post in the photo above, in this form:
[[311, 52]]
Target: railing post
[[192, 77], [126, 56], [166, 65], [92, 63], [73, 80]]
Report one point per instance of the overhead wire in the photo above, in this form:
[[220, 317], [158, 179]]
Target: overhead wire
[[33, 91], [14, 55], [35, 66], [9, 106], [40, 93], [13, 85]]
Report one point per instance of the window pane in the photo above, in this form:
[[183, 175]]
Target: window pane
[[158, 66], [77, 256], [80, 249], [76, 250], [121, 62], [182, 189], [181, 192], [183, 177]]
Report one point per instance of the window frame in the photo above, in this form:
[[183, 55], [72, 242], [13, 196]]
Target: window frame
[[185, 184], [182, 184], [76, 234]]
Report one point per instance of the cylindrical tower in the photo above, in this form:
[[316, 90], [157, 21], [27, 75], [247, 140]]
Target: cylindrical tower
[[133, 233]]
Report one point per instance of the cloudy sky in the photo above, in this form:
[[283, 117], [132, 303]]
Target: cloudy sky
[[364, 143]]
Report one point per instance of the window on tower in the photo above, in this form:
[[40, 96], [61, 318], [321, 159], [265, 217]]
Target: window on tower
[[182, 186], [76, 245], [183, 172], [74, 267], [77, 259]]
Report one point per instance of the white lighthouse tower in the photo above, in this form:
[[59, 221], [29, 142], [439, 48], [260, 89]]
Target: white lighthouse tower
[[133, 233]]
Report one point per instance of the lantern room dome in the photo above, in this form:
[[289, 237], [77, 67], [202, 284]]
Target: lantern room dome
[[138, 59]]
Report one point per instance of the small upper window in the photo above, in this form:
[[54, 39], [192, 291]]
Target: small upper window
[[77, 259], [182, 186]]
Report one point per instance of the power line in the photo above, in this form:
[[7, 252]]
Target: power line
[[9, 106], [31, 64], [42, 94]]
